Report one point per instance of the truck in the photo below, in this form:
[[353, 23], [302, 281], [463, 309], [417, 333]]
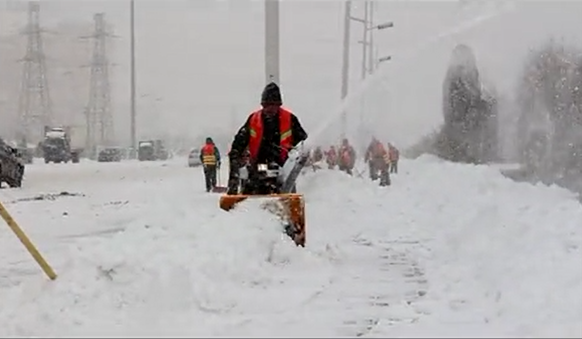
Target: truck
[[56, 146], [11, 165], [151, 150]]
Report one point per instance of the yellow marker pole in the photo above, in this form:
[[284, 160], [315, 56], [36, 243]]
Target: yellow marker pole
[[27, 243]]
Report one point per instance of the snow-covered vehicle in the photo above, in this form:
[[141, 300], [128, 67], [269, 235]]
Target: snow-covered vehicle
[[11, 165], [151, 150], [56, 146], [110, 154], [194, 158]]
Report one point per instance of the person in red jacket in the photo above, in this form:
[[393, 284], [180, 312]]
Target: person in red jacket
[[347, 157], [378, 162], [269, 134], [394, 156], [331, 157]]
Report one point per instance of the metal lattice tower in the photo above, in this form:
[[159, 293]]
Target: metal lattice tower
[[35, 104], [98, 114]]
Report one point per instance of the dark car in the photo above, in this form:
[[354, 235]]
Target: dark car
[[56, 150], [11, 166], [109, 155]]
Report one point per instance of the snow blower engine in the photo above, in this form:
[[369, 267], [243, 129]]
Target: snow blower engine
[[276, 185]]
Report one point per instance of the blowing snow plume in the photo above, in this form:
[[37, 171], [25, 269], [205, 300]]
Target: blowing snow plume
[[549, 102], [470, 130]]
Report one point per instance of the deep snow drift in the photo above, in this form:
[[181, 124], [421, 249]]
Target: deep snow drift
[[448, 249]]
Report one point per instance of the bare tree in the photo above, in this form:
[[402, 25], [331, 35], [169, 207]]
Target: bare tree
[[550, 121]]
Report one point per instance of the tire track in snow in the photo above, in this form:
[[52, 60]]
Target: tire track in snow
[[398, 281], [378, 283]]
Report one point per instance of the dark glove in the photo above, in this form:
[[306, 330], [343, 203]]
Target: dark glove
[[218, 165]]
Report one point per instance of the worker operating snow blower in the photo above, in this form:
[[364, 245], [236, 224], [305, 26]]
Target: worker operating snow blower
[[269, 134]]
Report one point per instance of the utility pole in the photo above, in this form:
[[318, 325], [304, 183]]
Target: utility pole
[[272, 41], [367, 46], [133, 119], [345, 64], [371, 41], [368, 41], [365, 42], [34, 105], [99, 119]]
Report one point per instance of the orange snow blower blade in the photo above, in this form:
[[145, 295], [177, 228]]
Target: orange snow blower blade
[[289, 207]]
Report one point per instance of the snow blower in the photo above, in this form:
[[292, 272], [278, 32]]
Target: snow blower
[[288, 206]]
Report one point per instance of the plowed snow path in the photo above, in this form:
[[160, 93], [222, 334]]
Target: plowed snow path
[[447, 250], [100, 198]]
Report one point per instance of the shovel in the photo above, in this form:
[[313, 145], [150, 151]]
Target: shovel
[[219, 188]]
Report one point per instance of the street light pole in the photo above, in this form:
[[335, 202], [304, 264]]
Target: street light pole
[[371, 44], [272, 41], [369, 27], [365, 39], [133, 81], [345, 63]]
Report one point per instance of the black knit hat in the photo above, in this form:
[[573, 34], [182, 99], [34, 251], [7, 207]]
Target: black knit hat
[[271, 95]]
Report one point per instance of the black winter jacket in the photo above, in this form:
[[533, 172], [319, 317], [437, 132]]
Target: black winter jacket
[[269, 150]]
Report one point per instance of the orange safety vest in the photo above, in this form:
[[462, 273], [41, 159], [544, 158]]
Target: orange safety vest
[[208, 155], [393, 153], [380, 150], [256, 132], [345, 155]]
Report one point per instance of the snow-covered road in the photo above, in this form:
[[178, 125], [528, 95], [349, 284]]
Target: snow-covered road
[[141, 250]]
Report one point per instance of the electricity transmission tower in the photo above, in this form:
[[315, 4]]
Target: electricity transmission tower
[[99, 119], [34, 105]]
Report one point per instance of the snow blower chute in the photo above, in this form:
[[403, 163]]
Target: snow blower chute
[[283, 202]]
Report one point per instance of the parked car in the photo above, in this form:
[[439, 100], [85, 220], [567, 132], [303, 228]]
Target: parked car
[[110, 154], [152, 150], [194, 158]]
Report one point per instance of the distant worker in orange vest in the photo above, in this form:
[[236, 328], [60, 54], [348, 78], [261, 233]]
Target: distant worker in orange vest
[[378, 162], [346, 157], [269, 133], [331, 157], [210, 158], [394, 156]]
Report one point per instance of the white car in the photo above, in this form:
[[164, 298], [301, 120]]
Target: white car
[[194, 158]]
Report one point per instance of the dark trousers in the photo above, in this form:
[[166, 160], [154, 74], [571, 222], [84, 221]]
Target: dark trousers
[[372, 170], [382, 170], [384, 177], [345, 168], [394, 167], [210, 177]]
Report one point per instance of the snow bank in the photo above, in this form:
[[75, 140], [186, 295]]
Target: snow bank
[[174, 271], [505, 255]]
